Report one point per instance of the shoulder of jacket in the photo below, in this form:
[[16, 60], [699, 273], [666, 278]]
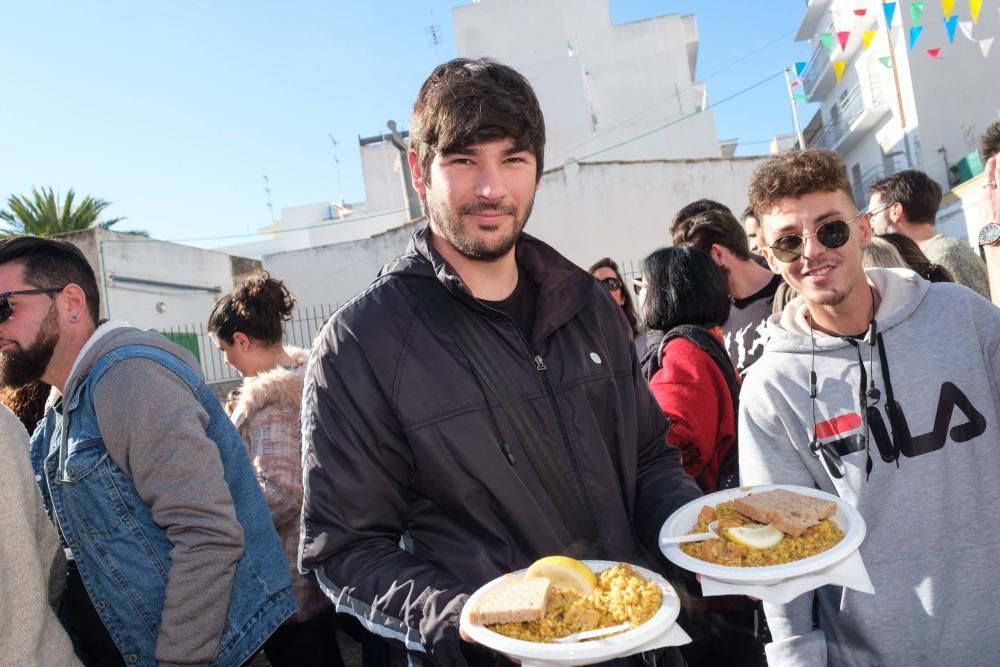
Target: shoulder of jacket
[[278, 387]]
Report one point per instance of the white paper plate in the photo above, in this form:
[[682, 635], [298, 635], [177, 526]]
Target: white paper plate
[[683, 521], [576, 653]]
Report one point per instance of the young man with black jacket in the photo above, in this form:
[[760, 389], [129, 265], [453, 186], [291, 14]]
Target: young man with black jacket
[[480, 396]]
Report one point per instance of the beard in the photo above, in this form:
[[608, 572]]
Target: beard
[[25, 365], [449, 224]]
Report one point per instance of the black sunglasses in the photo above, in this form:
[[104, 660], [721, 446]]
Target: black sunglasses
[[832, 234], [612, 283], [7, 308]]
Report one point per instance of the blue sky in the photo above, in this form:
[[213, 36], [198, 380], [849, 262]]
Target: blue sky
[[175, 111]]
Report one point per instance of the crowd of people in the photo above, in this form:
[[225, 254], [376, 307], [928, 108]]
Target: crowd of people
[[485, 402]]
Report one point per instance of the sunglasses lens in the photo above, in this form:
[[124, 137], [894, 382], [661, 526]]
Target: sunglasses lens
[[5, 309], [612, 283], [787, 248], [833, 234]]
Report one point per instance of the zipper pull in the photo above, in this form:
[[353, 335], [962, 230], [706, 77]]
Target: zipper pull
[[540, 363], [508, 452]]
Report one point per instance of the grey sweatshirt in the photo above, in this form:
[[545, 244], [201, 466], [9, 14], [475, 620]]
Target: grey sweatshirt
[[154, 430], [30, 634], [932, 541]]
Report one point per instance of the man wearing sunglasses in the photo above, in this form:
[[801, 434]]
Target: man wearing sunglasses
[[173, 558], [852, 397]]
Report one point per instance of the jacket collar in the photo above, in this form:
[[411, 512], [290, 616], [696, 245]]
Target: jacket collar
[[564, 289]]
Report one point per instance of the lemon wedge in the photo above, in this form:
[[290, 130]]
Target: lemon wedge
[[564, 572], [755, 536]]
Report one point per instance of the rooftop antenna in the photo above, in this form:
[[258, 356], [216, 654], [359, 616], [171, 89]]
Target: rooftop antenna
[[434, 37], [267, 189], [336, 163]]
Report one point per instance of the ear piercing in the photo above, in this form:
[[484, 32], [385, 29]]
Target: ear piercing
[[73, 318]]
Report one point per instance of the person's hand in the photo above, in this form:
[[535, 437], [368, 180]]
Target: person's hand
[[991, 192]]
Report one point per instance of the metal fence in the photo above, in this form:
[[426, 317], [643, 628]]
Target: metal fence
[[299, 331]]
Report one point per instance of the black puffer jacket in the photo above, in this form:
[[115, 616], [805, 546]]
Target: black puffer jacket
[[398, 438]]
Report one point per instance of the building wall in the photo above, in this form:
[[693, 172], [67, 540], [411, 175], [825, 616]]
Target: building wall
[[380, 168], [117, 257], [599, 84], [586, 211]]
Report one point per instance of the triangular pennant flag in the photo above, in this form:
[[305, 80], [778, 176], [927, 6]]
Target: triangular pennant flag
[[985, 45], [975, 6], [966, 27], [862, 12], [889, 8], [934, 53], [947, 6], [795, 83], [799, 97], [838, 68], [800, 68], [917, 10], [827, 39], [915, 35], [887, 61], [950, 24], [869, 36], [842, 37]]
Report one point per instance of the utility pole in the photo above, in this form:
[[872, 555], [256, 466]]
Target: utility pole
[[409, 194], [795, 110], [434, 37], [899, 92]]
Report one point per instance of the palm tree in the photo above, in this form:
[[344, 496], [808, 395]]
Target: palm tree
[[43, 215]]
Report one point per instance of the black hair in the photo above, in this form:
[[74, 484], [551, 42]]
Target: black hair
[[257, 307], [49, 263], [711, 227], [684, 287], [627, 307], [917, 260]]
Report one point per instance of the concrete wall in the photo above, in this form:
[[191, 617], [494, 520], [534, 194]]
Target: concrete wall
[[119, 260], [383, 185], [599, 84], [586, 211]]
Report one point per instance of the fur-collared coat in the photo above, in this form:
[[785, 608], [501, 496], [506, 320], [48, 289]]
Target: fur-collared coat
[[267, 416]]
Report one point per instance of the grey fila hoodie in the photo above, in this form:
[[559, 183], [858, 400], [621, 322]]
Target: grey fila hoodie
[[934, 519]]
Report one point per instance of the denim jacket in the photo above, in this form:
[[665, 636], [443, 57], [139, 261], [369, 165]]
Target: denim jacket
[[123, 556]]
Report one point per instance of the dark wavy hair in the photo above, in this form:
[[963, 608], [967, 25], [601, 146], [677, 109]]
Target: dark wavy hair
[[684, 287], [27, 402], [258, 307], [627, 307], [917, 260]]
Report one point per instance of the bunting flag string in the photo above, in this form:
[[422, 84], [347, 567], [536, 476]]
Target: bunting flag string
[[975, 6], [827, 40], [868, 37], [917, 10], [890, 9], [862, 12], [934, 53], [915, 35], [985, 45], [842, 37], [800, 67], [947, 6], [950, 24], [886, 61], [838, 69], [966, 27]]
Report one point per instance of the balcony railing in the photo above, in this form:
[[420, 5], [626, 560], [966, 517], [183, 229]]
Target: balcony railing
[[851, 107]]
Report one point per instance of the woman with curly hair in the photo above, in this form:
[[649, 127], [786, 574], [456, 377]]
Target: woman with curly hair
[[247, 326]]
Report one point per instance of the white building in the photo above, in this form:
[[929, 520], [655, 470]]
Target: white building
[[600, 85], [897, 107], [585, 210]]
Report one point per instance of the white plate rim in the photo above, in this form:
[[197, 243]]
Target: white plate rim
[[597, 649], [854, 534]]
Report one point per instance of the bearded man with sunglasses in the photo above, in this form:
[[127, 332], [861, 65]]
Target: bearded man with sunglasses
[[849, 398], [173, 557]]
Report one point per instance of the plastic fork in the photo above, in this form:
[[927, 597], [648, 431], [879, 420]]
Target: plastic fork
[[712, 534], [591, 634]]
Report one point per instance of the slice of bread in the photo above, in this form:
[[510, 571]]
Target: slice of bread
[[515, 602], [791, 513]]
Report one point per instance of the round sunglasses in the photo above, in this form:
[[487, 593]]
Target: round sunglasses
[[612, 283], [832, 234]]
